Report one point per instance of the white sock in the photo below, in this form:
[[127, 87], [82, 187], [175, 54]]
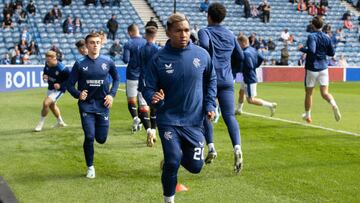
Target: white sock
[[333, 103], [91, 167], [240, 106], [60, 120], [267, 104], [148, 130], [211, 147], [42, 119], [169, 199], [237, 147], [308, 113]]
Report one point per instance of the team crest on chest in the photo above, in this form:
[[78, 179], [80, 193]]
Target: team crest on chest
[[104, 66], [167, 135], [196, 62]]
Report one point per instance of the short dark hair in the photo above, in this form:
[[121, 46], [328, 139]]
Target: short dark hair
[[317, 22], [151, 31], [217, 12], [132, 28], [80, 43], [92, 34]]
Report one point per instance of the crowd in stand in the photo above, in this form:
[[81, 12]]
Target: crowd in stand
[[72, 24]]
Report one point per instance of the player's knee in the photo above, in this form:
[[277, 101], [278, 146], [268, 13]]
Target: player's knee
[[196, 168], [101, 140], [131, 101], [144, 109], [47, 103], [172, 166], [250, 100]]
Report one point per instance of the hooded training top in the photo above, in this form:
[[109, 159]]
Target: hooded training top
[[146, 53], [252, 61], [223, 49], [131, 57], [188, 80], [58, 74], [93, 76], [318, 47]]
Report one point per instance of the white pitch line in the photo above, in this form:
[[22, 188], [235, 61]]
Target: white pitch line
[[121, 90], [303, 124]]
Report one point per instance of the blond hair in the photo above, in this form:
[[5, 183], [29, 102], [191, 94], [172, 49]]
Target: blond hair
[[175, 18]]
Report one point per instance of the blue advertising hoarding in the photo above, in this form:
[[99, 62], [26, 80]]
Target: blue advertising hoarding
[[14, 78]]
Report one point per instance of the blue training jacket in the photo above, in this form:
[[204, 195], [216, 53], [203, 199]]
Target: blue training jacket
[[188, 80], [131, 57], [318, 47], [93, 76], [252, 60], [146, 53], [223, 49], [58, 74]]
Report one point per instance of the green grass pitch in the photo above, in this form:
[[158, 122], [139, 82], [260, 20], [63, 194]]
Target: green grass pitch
[[283, 162]]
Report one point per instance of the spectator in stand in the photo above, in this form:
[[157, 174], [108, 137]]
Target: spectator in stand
[[7, 23], [77, 25], [66, 2], [263, 49], [8, 9], [342, 61], [291, 39], [254, 12], [6, 60], [30, 8], [23, 46], [88, 2], [68, 25], [13, 51], [33, 48], [284, 60], [204, 6], [253, 41], [247, 8], [22, 18], [301, 6], [104, 3], [115, 3], [49, 18], [17, 59], [302, 60], [103, 37], [26, 59], [324, 3], [271, 45], [25, 35], [56, 12], [115, 50], [284, 36], [265, 8], [321, 11], [346, 15], [59, 54], [113, 26], [312, 9], [347, 23]]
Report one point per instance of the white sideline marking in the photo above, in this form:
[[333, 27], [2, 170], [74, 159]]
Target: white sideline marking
[[303, 124], [121, 90]]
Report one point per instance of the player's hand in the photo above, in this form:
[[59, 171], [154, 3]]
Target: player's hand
[[57, 86], [83, 95], [211, 115], [158, 96], [300, 46], [45, 77], [108, 101]]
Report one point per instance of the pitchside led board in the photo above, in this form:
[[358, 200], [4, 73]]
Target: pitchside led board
[[14, 78], [23, 77]]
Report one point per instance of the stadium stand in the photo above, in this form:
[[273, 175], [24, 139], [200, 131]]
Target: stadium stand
[[284, 15]]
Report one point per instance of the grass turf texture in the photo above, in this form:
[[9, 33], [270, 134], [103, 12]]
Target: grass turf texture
[[283, 162]]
